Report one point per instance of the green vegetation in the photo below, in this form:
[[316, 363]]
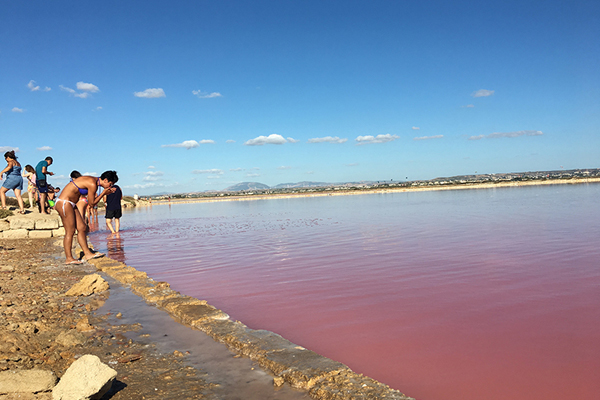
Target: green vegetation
[[5, 213], [129, 199]]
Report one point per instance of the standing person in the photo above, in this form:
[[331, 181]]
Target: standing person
[[66, 205], [41, 170], [14, 180], [113, 209], [31, 189]]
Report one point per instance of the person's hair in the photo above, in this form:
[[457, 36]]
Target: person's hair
[[10, 154], [29, 168], [75, 174], [111, 176], [48, 159]]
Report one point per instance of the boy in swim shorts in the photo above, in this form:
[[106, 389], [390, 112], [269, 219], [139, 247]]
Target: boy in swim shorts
[[113, 209], [41, 170]]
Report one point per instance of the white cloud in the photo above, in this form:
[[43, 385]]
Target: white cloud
[[478, 137], [97, 108], [90, 174], [87, 87], [4, 149], [151, 93], [208, 171], [514, 134], [468, 106], [188, 144], [284, 167], [482, 93], [66, 89], [262, 140], [376, 139], [82, 95], [152, 176], [31, 85], [292, 140], [415, 128], [206, 95], [230, 141], [327, 139], [429, 137], [44, 148], [252, 175], [236, 169], [18, 110], [207, 141], [151, 167]]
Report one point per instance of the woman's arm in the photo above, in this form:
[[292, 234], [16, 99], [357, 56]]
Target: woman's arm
[[8, 167], [92, 198]]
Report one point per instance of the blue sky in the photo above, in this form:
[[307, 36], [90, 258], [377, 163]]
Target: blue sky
[[199, 95]]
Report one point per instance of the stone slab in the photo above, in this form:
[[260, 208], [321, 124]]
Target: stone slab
[[27, 381], [46, 223], [15, 234], [22, 223], [40, 234]]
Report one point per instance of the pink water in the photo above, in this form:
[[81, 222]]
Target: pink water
[[478, 294]]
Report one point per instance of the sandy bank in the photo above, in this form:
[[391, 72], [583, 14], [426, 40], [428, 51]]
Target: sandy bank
[[343, 192]]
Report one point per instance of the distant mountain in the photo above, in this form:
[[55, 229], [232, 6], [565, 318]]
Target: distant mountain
[[301, 185], [246, 186]]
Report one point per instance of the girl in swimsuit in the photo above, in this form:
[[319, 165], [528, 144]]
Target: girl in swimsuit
[[66, 205], [31, 188]]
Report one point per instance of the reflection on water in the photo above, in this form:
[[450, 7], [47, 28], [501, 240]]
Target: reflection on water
[[115, 247], [443, 295]]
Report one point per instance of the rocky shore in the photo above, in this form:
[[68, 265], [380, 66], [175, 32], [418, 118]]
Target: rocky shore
[[46, 326], [44, 329]]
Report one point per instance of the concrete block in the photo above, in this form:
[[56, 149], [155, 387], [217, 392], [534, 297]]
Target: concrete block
[[15, 234], [22, 223], [40, 234], [58, 232], [46, 223], [4, 225]]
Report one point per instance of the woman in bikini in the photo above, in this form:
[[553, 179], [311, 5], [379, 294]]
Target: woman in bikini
[[14, 180], [66, 205]]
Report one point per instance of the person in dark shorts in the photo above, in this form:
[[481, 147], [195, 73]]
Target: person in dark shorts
[[113, 209], [41, 170]]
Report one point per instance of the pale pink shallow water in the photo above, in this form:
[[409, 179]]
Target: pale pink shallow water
[[476, 294]]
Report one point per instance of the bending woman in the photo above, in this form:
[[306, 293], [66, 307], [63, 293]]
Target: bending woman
[[14, 180], [66, 205]]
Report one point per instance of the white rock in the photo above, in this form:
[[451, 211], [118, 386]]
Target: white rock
[[89, 284], [87, 378]]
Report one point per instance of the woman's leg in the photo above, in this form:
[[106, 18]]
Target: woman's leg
[[82, 236], [3, 191], [67, 214], [20, 200], [30, 193]]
